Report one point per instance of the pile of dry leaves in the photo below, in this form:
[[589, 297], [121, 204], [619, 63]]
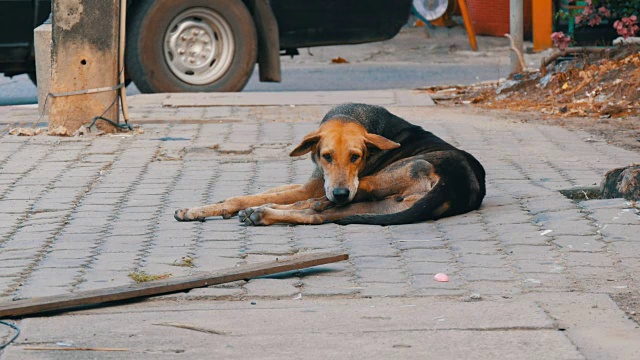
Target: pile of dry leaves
[[600, 84]]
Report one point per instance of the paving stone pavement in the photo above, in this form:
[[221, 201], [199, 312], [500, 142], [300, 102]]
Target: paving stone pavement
[[82, 214]]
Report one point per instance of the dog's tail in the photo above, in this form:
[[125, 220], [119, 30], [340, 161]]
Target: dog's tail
[[423, 209]]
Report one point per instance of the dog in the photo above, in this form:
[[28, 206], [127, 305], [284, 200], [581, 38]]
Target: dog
[[372, 167]]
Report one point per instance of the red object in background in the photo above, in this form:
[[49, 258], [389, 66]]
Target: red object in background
[[491, 17]]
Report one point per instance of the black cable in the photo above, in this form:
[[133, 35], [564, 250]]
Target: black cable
[[14, 327], [124, 126], [113, 123]]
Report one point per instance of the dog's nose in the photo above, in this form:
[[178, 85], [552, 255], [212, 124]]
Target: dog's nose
[[341, 195]]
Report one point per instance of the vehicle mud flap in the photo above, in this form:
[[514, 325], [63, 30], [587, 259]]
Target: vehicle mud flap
[[268, 40]]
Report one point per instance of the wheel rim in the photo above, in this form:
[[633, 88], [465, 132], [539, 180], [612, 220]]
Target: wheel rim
[[198, 46]]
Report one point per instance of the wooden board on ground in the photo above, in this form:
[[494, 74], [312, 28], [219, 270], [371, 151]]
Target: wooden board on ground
[[165, 286]]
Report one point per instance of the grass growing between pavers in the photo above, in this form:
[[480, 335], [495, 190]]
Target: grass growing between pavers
[[185, 261], [582, 193], [141, 276]]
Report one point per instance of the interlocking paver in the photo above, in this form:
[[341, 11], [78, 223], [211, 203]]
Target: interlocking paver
[[371, 289], [579, 243], [488, 288], [483, 260], [432, 268], [548, 282], [522, 252], [329, 285], [486, 247], [539, 266], [365, 262], [486, 274], [381, 275], [285, 288]]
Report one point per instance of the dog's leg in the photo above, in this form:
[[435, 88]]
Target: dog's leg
[[396, 179], [406, 176], [268, 216], [317, 205], [228, 208], [281, 188], [391, 190]]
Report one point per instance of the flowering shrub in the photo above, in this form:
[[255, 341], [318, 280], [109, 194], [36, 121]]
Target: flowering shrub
[[560, 40], [597, 11], [626, 27], [592, 16]]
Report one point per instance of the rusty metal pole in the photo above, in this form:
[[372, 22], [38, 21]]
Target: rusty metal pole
[[516, 10], [84, 62], [542, 11]]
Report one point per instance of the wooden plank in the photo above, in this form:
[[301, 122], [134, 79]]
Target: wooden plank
[[92, 297], [542, 24]]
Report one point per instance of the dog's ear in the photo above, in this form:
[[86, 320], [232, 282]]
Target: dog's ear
[[380, 142], [307, 144]]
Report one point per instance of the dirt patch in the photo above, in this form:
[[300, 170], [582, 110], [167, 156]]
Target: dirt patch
[[597, 92], [582, 193], [630, 304]]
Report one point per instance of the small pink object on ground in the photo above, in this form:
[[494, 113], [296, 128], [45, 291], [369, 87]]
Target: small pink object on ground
[[441, 277]]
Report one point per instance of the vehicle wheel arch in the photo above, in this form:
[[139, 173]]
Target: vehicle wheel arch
[[268, 39]]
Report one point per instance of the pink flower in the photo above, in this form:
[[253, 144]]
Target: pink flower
[[604, 11], [560, 40], [627, 26]]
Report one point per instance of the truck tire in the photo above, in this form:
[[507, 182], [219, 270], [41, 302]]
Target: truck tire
[[190, 45]]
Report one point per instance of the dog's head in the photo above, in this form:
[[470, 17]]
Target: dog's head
[[339, 148]]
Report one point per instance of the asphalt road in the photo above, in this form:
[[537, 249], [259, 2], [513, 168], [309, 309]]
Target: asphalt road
[[20, 90]]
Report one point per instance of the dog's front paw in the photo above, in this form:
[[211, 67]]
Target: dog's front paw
[[186, 215], [253, 216]]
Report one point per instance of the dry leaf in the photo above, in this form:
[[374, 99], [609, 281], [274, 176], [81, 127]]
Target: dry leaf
[[339, 60], [25, 131], [82, 131], [59, 131]]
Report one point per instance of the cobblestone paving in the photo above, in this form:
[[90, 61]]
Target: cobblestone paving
[[82, 214]]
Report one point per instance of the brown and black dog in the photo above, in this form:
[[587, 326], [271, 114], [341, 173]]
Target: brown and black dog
[[372, 167]]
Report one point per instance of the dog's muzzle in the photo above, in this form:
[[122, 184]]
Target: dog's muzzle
[[341, 195]]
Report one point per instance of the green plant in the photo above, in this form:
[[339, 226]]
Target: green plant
[[624, 12], [141, 276], [185, 261]]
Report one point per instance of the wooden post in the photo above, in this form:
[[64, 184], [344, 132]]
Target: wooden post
[[516, 10], [542, 11], [84, 56], [464, 10]]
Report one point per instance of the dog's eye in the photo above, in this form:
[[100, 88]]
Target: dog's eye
[[355, 158], [327, 157]]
